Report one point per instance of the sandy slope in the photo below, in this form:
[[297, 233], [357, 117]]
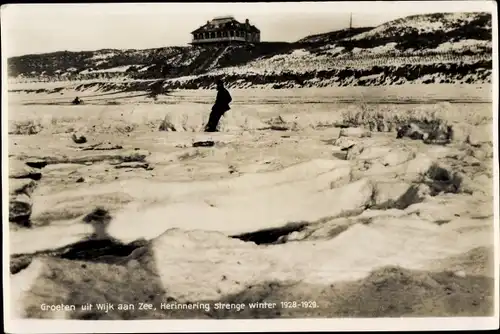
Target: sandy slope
[[260, 216]]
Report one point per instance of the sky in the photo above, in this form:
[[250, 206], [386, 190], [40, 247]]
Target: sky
[[42, 28]]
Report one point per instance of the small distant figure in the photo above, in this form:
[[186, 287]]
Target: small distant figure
[[219, 108], [77, 101]]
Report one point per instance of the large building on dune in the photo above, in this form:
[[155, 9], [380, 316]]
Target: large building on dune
[[225, 30]]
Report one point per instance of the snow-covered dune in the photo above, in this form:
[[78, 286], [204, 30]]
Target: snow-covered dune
[[429, 48]]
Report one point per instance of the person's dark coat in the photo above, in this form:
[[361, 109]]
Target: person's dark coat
[[220, 106], [222, 100]]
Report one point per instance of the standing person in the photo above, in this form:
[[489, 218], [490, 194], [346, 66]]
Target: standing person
[[219, 108]]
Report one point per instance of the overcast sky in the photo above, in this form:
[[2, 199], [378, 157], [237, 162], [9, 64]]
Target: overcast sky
[[40, 28]]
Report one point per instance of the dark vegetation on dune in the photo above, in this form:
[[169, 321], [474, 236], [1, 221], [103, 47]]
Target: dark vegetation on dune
[[62, 60], [388, 75]]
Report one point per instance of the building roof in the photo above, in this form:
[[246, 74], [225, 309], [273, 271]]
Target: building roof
[[223, 23]]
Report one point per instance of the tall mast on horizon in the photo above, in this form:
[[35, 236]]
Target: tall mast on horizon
[[350, 22]]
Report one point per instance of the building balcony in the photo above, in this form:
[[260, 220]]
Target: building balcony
[[218, 40]]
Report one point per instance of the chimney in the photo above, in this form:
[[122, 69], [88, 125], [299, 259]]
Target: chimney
[[208, 22], [247, 22]]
